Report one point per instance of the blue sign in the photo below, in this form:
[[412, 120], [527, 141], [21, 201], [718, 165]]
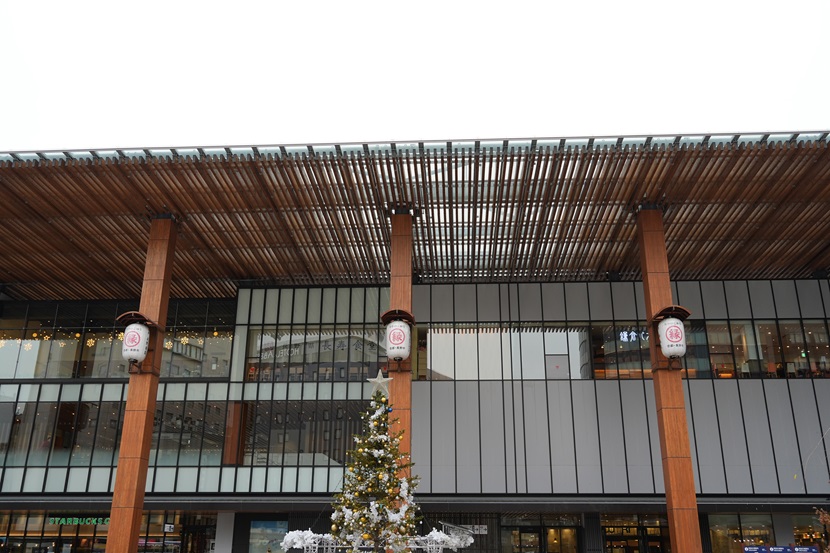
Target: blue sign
[[756, 549], [780, 549], [805, 549]]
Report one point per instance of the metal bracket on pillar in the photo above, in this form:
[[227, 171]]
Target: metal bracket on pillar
[[135, 317], [403, 209]]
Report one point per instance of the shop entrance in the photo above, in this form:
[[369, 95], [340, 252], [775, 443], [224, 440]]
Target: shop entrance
[[196, 538], [636, 539], [543, 540]]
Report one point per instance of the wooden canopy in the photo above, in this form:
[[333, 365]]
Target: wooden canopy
[[74, 225]]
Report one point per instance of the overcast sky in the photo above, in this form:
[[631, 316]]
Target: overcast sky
[[89, 74]]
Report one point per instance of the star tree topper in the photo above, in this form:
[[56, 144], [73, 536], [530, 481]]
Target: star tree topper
[[380, 383]]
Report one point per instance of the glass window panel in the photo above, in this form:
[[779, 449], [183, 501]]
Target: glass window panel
[[96, 350], [725, 534], [42, 428], [756, 529], [10, 345], [466, 350], [64, 350], [603, 346], [697, 355], [625, 345], [29, 355], [818, 347], [490, 344], [745, 347], [720, 349], [532, 353], [793, 349], [106, 442], [769, 349], [84, 432], [213, 437], [809, 531], [170, 431]]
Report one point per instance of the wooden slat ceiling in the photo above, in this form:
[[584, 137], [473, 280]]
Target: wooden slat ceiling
[[74, 225]]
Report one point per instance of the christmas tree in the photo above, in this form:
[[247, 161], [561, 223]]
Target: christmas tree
[[375, 506]]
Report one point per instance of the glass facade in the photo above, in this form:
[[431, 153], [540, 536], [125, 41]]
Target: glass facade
[[536, 389], [49, 340]]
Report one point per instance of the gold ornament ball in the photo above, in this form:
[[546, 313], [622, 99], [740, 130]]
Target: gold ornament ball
[[334, 528], [360, 450], [375, 423], [363, 519], [383, 400], [366, 536]]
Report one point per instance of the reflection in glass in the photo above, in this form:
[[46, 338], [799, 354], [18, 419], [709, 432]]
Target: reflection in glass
[[818, 347], [769, 349]]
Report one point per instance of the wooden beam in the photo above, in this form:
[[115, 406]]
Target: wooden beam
[[400, 298], [681, 501], [134, 453]]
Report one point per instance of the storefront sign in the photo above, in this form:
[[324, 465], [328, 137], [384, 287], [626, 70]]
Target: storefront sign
[[78, 521]]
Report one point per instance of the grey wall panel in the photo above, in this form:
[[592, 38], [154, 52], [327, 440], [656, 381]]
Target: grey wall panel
[[690, 427], [688, 295], [441, 303], [714, 300], [443, 437], [530, 302], [808, 425], [758, 440], [760, 294], [465, 302], [784, 437], [625, 304], [733, 437], [420, 303], [809, 299], [511, 292], [576, 301], [707, 436], [654, 437], [504, 302], [537, 438], [737, 299], [488, 302], [563, 454], [421, 434], [824, 286], [494, 448], [786, 300], [599, 301], [589, 475], [511, 444], [553, 301], [612, 438], [467, 432], [822, 390], [519, 437], [637, 443]]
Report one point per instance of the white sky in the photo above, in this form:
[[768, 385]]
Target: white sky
[[120, 74]]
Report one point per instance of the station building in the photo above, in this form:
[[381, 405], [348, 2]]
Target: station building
[[531, 404]]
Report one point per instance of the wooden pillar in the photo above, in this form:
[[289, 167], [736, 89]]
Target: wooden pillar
[[400, 298], [678, 475], [134, 453]]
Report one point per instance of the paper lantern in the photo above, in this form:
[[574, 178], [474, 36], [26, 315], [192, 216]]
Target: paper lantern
[[398, 340], [672, 337], [136, 342]]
